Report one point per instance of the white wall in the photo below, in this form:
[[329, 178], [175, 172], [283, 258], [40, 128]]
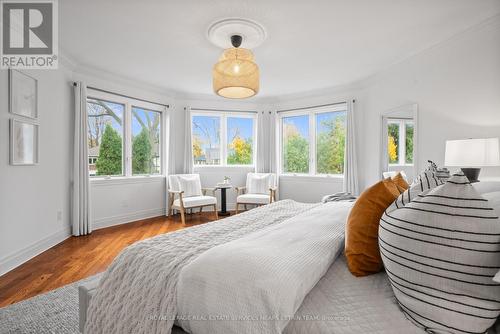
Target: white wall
[[32, 196], [456, 85]]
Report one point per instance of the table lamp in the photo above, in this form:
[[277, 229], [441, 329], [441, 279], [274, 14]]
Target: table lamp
[[472, 154]]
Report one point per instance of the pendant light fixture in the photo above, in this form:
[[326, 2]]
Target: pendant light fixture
[[236, 75]]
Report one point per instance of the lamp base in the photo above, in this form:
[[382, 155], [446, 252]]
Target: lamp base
[[472, 174]]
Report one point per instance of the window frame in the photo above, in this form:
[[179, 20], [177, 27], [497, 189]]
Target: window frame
[[224, 115], [311, 113], [402, 122], [128, 104]]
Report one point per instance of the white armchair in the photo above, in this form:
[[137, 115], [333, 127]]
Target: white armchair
[[187, 189], [260, 189]]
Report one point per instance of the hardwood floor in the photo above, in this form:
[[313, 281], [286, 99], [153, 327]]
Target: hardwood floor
[[79, 257]]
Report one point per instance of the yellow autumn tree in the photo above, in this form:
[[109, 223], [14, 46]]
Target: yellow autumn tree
[[241, 151], [197, 150], [392, 150]]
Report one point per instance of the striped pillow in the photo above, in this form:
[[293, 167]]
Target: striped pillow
[[441, 252], [426, 181]]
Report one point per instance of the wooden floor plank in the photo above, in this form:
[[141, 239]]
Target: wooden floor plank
[[79, 257]]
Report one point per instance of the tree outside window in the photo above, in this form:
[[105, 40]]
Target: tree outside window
[[313, 142], [105, 142], [400, 134]]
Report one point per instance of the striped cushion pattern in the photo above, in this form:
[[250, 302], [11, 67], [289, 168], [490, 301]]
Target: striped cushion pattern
[[426, 181], [441, 252]]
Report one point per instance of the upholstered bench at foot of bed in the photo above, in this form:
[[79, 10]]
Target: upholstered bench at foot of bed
[[85, 293]]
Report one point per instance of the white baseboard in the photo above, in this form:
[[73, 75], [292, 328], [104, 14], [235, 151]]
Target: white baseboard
[[16, 259], [126, 218]]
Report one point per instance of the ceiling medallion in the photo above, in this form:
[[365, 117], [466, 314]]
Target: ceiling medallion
[[236, 75]]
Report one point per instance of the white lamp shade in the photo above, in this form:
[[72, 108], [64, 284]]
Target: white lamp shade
[[473, 153]]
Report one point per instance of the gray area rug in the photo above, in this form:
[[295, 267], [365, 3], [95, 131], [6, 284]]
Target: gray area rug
[[53, 312]]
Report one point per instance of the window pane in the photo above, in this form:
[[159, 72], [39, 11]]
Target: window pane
[[145, 141], [239, 141], [409, 143], [105, 133], [206, 140], [393, 142], [330, 142], [296, 144]]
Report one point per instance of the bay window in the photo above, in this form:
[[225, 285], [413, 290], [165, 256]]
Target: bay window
[[124, 136], [312, 141], [223, 138]]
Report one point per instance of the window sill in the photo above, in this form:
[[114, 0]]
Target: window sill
[[312, 178], [209, 167], [118, 180]]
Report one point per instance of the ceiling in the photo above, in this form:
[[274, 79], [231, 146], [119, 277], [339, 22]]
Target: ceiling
[[310, 45]]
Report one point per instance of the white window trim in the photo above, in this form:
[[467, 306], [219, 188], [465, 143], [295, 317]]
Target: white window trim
[[311, 112], [223, 135], [128, 103], [402, 122]]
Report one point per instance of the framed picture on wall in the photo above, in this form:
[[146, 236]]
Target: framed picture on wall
[[23, 94], [23, 143]]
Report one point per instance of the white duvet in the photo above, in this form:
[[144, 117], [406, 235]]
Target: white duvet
[[255, 284]]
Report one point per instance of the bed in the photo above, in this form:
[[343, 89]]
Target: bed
[[156, 280]]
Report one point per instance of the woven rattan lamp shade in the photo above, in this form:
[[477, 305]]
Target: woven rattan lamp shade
[[236, 75]]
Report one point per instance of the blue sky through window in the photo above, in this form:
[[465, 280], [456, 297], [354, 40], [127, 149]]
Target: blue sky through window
[[301, 123], [327, 117], [206, 129], [238, 126], [143, 115]]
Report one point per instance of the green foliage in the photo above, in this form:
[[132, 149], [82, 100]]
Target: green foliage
[[109, 161], [296, 154], [141, 153], [409, 144], [241, 152], [330, 147]]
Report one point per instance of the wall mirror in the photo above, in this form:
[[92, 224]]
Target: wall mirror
[[399, 142]]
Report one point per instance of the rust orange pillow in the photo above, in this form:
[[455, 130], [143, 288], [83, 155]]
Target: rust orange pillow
[[400, 182], [361, 244]]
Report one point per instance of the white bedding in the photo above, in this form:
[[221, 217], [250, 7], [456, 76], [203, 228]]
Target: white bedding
[[231, 288], [344, 304], [137, 293]]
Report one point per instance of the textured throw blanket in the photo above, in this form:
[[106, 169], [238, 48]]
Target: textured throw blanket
[[137, 294]]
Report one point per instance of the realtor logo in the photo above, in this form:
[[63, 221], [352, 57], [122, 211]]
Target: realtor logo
[[29, 34]]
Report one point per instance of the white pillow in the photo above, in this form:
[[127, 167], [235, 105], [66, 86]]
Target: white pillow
[[441, 252], [426, 181], [190, 184], [258, 183]]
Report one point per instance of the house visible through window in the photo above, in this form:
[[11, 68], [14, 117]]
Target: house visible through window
[[223, 138], [313, 141], [400, 141], [124, 136]]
